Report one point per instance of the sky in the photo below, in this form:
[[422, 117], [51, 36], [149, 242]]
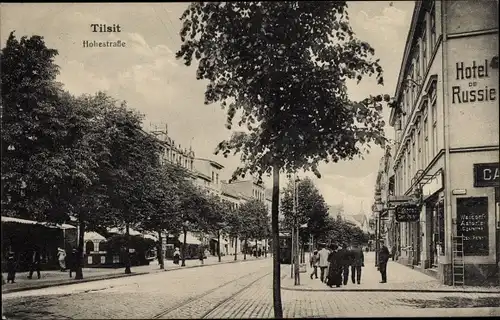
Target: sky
[[147, 75]]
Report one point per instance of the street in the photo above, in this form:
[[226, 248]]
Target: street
[[239, 290]]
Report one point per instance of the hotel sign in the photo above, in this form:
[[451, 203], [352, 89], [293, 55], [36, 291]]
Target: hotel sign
[[486, 175], [473, 91]]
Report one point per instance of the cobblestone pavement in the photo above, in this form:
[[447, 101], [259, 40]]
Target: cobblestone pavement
[[399, 278], [241, 290], [53, 277]]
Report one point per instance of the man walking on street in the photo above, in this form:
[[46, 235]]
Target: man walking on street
[[383, 257], [35, 263], [346, 260], [314, 264], [323, 261], [358, 261]]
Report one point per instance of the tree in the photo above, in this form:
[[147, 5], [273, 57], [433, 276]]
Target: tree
[[284, 66], [163, 191], [235, 225], [252, 215], [311, 209]]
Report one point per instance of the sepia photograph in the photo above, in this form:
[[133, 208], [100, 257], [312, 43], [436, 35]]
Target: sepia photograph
[[250, 159]]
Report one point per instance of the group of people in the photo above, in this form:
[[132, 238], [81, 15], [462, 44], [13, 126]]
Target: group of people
[[65, 262], [336, 263]]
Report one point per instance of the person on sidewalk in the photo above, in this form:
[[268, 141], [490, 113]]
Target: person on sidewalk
[[35, 263], [346, 261], [335, 267], [383, 258], [61, 257], [201, 255], [11, 268], [323, 261], [314, 261], [358, 261], [72, 262], [177, 256]]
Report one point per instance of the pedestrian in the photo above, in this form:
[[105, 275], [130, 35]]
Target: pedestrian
[[383, 258], [61, 257], [335, 268], [358, 261], [323, 261], [177, 256], [201, 254], [72, 262], [11, 268], [314, 261], [35, 263], [345, 256], [393, 252]]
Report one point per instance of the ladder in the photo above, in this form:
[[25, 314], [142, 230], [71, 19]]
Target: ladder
[[458, 266]]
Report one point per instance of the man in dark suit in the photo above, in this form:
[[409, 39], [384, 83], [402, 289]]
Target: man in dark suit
[[346, 261], [358, 261], [383, 257], [35, 263]]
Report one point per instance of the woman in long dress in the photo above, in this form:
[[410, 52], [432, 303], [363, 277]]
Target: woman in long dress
[[335, 268]]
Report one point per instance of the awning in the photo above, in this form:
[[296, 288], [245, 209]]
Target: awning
[[150, 236], [131, 231], [190, 239], [45, 224], [93, 236]]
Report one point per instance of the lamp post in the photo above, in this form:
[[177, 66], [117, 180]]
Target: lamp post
[[378, 207]]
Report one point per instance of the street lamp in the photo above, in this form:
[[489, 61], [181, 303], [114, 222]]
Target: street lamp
[[378, 208]]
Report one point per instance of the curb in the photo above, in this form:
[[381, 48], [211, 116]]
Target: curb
[[116, 276], [390, 290]]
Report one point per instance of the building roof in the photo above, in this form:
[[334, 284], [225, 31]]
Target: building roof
[[91, 235], [212, 162]]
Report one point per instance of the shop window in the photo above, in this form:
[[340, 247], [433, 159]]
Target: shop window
[[103, 259], [116, 259]]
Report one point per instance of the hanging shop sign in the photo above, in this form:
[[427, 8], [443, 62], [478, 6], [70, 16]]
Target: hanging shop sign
[[486, 175], [435, 184], [408, 212], [472, 224]]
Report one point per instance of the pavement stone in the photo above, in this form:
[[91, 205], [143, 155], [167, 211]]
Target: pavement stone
[[56, 278], [399, 278]]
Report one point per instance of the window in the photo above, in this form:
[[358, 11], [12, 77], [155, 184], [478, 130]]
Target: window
[[213, 176], [417, 63], [103, 259], [116, 258], [419, 149], [432, 15], [434, 129], [217, 178], [412, 91], [89, 259], [424, 50], [89, 247], [408, 162], [426, 143]]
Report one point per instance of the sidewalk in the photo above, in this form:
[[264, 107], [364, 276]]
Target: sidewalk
[[54, 278], [399, 278]]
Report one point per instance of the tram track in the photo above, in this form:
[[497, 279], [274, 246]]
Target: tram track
[[194, 299]]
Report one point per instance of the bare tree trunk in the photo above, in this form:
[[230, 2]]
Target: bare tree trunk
[[160, 251], [278, 308], [265, 248], [218, 246], [183, 264], [236, 248], [245, 247], [256, 251], [79, 251], [127, 253]]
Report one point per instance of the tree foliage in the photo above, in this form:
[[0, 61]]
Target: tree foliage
[[311, 209], [283, 67], [252, 220]]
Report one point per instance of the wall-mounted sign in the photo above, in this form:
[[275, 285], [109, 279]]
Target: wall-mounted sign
[[408, 212], [474, 90], [486, 175], [435, 184], [472, 224]]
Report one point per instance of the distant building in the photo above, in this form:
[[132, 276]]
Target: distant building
[[207, 174]]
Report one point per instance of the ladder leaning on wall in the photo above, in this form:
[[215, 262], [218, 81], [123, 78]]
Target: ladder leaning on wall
[[457, 264]]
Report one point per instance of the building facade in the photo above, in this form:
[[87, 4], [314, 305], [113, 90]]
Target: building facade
[[447, 139], [207, 175]]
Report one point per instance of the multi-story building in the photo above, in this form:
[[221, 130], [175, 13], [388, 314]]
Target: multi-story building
[[207, 175], [447, 142], [173, 153]]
